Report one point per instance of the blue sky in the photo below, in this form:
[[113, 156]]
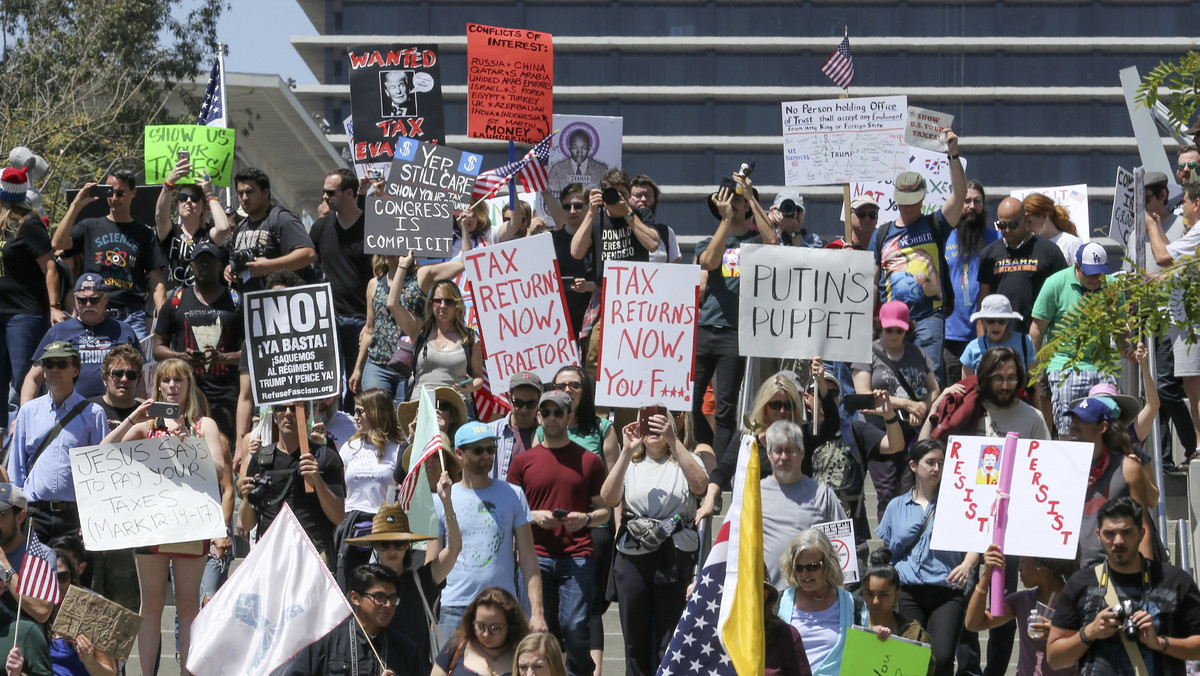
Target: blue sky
[[257, 33]]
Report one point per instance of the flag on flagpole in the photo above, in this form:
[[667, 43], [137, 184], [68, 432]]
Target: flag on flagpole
[[840, 65], [741, 620], [281, 599], [38, 579], [415, 496], [695, 648], [212, 111], [530, 169]]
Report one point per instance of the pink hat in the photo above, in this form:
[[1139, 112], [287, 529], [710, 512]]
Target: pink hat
[[894, 314]]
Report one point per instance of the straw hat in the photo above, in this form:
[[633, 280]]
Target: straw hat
[[407, 411], [390, 525]]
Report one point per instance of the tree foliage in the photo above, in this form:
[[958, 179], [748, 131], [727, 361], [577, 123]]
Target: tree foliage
[[1183, 82], [79, 79]]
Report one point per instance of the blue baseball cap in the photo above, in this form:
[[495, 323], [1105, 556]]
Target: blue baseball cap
[[472, 432], [1092, 410]]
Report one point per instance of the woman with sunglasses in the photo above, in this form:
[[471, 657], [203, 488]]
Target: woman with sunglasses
[[200, 217], [76, 656], [446, 352], [656, 481], [931, 581], [183, 563], [485, 643], [581, 270], [814, 602], [370, 458]]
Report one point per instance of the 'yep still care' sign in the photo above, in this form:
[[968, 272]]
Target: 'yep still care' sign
[[1048, 484]]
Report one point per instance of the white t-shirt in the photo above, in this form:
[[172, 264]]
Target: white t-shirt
[[656, 488], [367, 476], [1068, 244], [488, 519]]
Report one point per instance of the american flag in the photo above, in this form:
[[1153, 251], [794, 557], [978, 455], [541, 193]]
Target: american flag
[[840, 65], [488, 405], [212, 111], [488, 183], [38, 579], [530, 169], [409, 485], [695, 648]]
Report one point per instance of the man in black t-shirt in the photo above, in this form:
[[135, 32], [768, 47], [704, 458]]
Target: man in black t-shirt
[[1017, 264], [578, 272], [1161, 604], [269, 239], [124, 252], [120, 371]]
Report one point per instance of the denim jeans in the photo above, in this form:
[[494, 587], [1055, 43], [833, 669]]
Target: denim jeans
[[19, 336], [450, 617], [216, 571], [567, 598], [348, 329], [134, 317], [930, 331], [380, 376]]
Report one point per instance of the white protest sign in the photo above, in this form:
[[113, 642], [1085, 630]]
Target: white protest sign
[[147, 492], [802, 303], [841, 536], [1120, 228], [925, 127], [1073, 198], [518, 298], [934, 166], [648, 344], [844, 140], [1045, 510]]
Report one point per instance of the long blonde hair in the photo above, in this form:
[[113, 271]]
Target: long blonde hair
[[772, 386], [382, 424], [196, 405], [11, 217]]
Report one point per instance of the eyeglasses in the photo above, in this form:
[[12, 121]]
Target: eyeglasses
[[570, 385], [1188, 165], [867, 214], [784, 450], [391, 544], [521, 403], [284, 408], [442, 301], [1007, 225], [188, 197], [810, 567], [359, 410], [89, 300], [573, 206], [125, 374], [552, 412], [57, 364], [481, 628], [381, 599], [478, 451], [778, 406]]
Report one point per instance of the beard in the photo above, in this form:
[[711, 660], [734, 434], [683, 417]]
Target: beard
[[970, 234]]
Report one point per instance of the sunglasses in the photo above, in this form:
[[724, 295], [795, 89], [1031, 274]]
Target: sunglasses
[[385, 546], [188, 197], [810, 567], [284, 408], [572, 385], [57, 364], [521, 403], [442, 301], [552, 412], [330, 193], [867, 214], [88, 300], [478, 451], [996, 321], [444, 406], [126, 374], [1188, 165], [359, 410], [1007, 225], [573, 206], [778, 406]]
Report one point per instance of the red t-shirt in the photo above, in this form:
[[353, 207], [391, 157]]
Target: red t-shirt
[[561, 478]]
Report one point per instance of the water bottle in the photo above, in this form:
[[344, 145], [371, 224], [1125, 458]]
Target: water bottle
[[1036, 633], [667, 527]]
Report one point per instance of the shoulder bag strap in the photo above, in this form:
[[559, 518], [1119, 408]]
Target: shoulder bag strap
[[58, 428], [436, 637], [1131, 647], [920, 533], [879, 351]]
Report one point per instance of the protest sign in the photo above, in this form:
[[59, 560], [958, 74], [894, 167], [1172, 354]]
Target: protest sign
[[110, 627], [395, 91], [510, 83], [518, 298], [648, 340], [1048, 483], [1073, 198], [844, 140], [210, 149], [147, 492], [934, 166], [802, 303], [587, 146], [1120, 228], [292, 339], [841, 536], [427, 185], [365, 170], [865, 654], [924, 129]]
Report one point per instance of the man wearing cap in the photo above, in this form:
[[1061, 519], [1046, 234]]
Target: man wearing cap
[[786, 216], [516, 432], [46, 430], [1059, 295], [963, 248], [864, 217], [644, 194], [92, 334], [562, 482], [492, 517], [13, 548], [202, 325], [910, 259], [1018, 265], [123, 251]]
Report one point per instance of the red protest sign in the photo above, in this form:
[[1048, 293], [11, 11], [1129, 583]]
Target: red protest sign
[[510, 83]]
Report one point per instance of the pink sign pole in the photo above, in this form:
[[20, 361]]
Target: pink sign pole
[[1000, 518]]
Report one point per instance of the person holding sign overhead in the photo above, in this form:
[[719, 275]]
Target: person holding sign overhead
[[198, 208], [174, 384], [446, 352]]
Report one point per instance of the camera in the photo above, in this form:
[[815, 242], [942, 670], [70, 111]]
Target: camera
[[240, 258], [610, 196], [258, 494], [1124, 612], [787, 208]]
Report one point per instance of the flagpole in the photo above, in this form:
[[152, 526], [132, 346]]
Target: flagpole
[[846, 188], [512, 182], [379, 659], [17, 621], [222, 51]]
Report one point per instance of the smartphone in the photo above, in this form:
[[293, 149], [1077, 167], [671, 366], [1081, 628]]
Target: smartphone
[[197, 354], [610, 196], [568, 281], [644, 418], [185, 155], [163, 409], [102, 190], [859, 402], [374, 174], [560, 514]]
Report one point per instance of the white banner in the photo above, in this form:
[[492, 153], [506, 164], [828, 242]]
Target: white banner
[[803, 303], [1046, 508], [518, 298], [147, 492], [841, 536], [924, 129], [648, 344], [932, 165], [844, 140], [1073, 198]]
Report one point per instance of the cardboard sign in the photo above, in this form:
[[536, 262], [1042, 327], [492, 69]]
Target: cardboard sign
[[844, 140], [110, 627], [510, 83], [210, 148], [291, 335], [395, 91], [1048, 484], [925, 127], [802, 303], [1073, 198], [648, 342], [1120, 228], [427, 185], [522, 312], [841, 535], [866, 655], [932, 165], [586, 147], [147, 492]]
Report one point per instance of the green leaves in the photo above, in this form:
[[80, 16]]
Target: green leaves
[[1183, 81]]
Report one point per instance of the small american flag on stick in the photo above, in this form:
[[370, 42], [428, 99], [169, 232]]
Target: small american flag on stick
[[840, 65]]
